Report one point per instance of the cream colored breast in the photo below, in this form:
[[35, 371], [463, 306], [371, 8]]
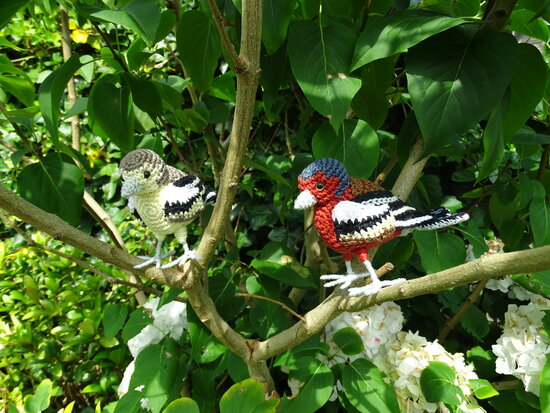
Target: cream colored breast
[[151, 211]]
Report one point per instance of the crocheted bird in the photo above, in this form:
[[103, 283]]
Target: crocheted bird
[[165, 199], [353, 215]]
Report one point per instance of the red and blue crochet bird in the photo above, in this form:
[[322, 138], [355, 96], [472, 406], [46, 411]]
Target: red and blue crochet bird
[[353, 215]]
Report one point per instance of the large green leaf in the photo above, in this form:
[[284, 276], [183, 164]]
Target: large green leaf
[[8, 9], [397, 32], [539, 216], [51, 91], [129, 403], [111, 112], [437, 382], [114, 317], [54, 184], [320, 59], [199, 46], [349, 341], [526, 88], [439, 251], [545, 387], [366, 389], [493, 139], [145, 94], [317, 379], [276, 18], [204, 347], [156, 368], [40, 400], [355, 145], [182, 405], [248, 396], [141, 16], [455, 80]]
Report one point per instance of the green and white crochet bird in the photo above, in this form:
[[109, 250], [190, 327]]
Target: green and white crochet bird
[[164, 198]]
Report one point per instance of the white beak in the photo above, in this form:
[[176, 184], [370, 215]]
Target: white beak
[[305, 200], [129, 188]]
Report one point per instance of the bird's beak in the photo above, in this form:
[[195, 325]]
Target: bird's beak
[[129, 188], [305, 200]]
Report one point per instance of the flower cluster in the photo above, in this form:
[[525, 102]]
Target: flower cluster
[[168, 321], [400, 355], [522, 347]]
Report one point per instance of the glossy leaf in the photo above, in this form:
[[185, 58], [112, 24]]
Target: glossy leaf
[[355, 145], [475, 322], [537, 283], [145, 94], [129, 403], [439, 251], [320, 58], [437, 382], [455, 80], [248, 396], [545, 386], [156, 368], [349, 341], [51, 91], [111, 112], [199, 47], [114, 317], [40, 400], [141, 16], [204, 347], [366, 389], [276, 18], [8, 9], [182, 405], [493, 139], [397, 32], [138, 320], [317, 379], [17, 83], [482, 388], [54, 184]]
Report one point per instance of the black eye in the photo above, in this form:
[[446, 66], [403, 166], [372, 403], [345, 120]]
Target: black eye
[[146, 174], [320, 186]]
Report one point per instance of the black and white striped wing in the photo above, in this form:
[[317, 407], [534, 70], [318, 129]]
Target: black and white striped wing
[[183, 199], [362, 223], [408, 217]]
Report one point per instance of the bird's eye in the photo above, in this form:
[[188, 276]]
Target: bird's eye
[[320, 186], [146, 174]]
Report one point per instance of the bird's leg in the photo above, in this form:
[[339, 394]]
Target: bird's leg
[[157, 258], [188, 254], [375, 285], [344, 280]]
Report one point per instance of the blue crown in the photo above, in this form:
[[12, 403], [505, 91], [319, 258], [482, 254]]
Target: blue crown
[[331, 168]]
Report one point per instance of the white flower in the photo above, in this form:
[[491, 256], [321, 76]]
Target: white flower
[[148, 335], [521, 349], [125, 382], [500, 284], [144, 403]]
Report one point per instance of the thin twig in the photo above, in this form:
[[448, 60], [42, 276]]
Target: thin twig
[[505, 385], [271, 300], [229, 47], [453, 321], [110, 46], [386, 171]]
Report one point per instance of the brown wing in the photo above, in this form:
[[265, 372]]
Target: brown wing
[[360, 186]]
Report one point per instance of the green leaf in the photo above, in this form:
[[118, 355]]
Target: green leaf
[[493, 139], [437, 382], [370, 103], [182, 405], [475, 322], [439, 251], [537, 283], [397, 32], [114, 317], [482, 388], [526, 87], [366, 389], [52, 90], [204, 347], [40, 400], [111, 112], [545, 387], [138, 320], [455, 80], [524, 21], [276, 18], [129, 403], [320, 59], [355, 145], [54, 184], [248, 396], [141, 16], [199, 46], [8, 9], [539, 216], [21, 88], [156, 368], [317, 379], [144, 94], [349, 341], [472, 233]]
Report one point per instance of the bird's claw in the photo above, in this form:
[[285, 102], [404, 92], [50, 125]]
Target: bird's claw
[[373, 288], [188, 255], [344, 280], [152, 260]]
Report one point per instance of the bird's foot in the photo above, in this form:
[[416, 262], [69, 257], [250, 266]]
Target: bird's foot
[[188, 255], [344, 280], [152, 260], [373, 287]]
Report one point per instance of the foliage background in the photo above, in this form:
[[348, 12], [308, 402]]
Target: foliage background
[[363, 82]]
